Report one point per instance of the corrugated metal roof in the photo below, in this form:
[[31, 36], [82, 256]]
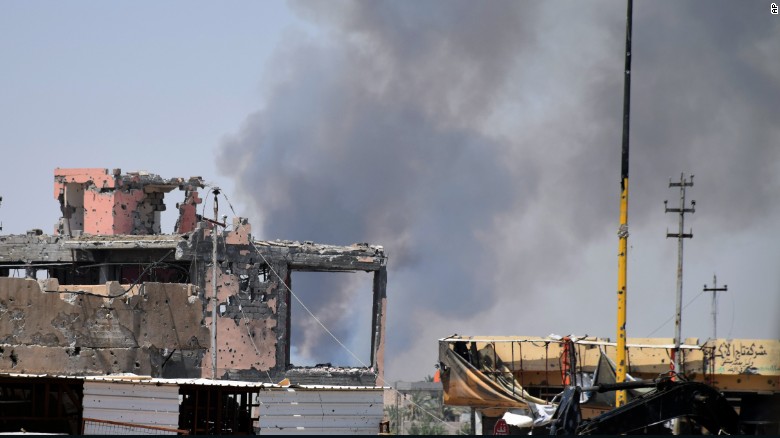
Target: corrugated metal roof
[[499, 339], [148, 380], [51, 376], [338, 388], [629, 345]]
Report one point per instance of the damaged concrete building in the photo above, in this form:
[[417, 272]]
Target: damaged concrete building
[[108, 293]]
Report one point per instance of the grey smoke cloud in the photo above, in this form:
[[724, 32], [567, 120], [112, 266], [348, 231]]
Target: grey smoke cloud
[[479, 143]]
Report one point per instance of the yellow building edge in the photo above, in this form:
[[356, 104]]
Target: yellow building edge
[[749, 365]]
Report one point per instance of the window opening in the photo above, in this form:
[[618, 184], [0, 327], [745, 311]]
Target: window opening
[[343, 302]]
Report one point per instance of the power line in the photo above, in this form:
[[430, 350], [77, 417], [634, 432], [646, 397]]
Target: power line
[[672, 317]]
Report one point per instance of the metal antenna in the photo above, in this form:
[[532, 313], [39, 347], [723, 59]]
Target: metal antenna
[[680, 236], [714, 289]]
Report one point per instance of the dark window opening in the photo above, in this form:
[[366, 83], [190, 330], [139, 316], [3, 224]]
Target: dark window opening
[[124, 273], [73, 208], [74, 274], [251, 284], [159, 273], [262, 275], [243, 283]]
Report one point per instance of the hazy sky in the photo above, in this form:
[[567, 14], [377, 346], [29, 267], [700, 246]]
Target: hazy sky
[[478, 142]]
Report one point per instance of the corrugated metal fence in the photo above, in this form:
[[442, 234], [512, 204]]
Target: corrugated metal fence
[[321, 412], [143, 404]]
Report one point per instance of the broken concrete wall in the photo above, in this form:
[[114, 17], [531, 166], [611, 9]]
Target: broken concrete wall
[[113, 212], [247, 326], [70, 188], [379, 321], [96, 201], [73, 209], [110, 231], [187, 212], [253, 301], [156, 329]]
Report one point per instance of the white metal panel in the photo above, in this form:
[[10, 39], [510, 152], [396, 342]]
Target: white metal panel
[[339, 387], [321, 412], [136, 403], [320, 431], [315, 396], [322, 420], [143, 418], [154, 404], [317, 409]]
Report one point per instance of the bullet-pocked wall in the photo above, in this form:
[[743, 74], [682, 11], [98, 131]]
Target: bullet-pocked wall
[[253, 303], [96, 201], [118, 296], [151, 329]]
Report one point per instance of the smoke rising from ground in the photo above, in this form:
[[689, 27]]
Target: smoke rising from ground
[[479, 143]]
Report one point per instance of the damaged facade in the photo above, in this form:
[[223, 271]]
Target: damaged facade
[[108, 293]]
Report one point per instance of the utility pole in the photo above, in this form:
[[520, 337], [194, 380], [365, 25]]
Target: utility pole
[[680, 236], [214, 234], [622, 292], [714, 289]]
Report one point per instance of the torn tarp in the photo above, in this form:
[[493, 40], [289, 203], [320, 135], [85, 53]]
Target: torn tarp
[[465, 385]]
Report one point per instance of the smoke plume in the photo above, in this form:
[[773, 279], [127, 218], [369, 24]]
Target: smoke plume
[[480, 144]]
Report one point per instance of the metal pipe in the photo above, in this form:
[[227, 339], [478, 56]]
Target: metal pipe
[[634, 384]]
